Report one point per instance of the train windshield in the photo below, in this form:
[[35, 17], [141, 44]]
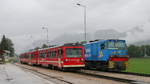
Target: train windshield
[[116, 45], [74, 52]]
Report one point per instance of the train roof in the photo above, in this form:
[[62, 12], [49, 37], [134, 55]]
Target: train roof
[[101, 40], [55, 46]]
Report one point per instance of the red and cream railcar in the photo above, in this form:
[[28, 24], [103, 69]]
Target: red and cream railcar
[[30, 57], [61, 57], [24, 58], [34, 57]]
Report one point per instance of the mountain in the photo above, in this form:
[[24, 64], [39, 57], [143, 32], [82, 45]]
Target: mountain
[[108, 34], [77, 37]]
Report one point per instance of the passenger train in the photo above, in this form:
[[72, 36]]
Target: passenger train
[[68, 56]]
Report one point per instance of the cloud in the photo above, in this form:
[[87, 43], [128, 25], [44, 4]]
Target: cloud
[[20, 19]]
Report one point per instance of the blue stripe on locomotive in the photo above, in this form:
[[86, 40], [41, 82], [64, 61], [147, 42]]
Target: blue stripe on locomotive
[[94, 52]]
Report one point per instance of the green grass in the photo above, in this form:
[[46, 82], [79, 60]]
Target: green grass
[[139, 65]]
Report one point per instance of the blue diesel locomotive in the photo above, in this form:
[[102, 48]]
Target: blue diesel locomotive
[[106, 54]]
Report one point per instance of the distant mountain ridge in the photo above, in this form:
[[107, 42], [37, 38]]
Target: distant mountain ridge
[[78, 37]]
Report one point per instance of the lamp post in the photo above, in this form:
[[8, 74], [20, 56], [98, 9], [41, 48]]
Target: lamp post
[[84, 6], [47, 33]]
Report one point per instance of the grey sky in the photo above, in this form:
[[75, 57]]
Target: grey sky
[[22, 20]]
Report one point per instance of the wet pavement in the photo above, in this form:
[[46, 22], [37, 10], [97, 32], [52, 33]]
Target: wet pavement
[[11, 74]]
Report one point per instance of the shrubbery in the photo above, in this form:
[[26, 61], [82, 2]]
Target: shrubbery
[[139, 51]]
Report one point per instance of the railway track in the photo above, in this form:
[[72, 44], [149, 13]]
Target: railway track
[[102, 75], [107, 77], [132, 73], [120, 76], [127, 73]]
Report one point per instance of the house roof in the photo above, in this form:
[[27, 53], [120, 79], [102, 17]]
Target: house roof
[[2, 51]]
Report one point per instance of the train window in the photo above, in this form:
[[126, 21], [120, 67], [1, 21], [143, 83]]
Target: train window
[[60, 52], [52, 54], [55, 53], [111, 44], [49, 54], [32, 56], [115, 45], [106, 45], [20, 56], [42, 55], [102, 46], [74, 52], [120, 45], [35, 55]]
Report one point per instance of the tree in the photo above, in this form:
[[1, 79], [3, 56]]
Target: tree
[[147, 49], [10, 46], [134, 51], [36, 48], [6, 44], [44, 46], [3, 44], [139, 51]]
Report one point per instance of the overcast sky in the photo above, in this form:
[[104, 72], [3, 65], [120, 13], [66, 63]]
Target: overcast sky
[[22, 20]]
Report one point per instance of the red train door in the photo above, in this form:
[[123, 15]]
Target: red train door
[[60, 55]]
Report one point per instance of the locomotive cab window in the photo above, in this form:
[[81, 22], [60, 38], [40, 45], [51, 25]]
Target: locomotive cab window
[[116, 45], [120, 45], [74, 52], [102, 46]]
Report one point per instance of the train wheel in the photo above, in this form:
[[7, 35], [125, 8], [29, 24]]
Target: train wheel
[[63, 69], [88, 65], [50, 66], [53, 67]]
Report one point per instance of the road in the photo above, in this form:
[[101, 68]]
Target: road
[[11, 74]]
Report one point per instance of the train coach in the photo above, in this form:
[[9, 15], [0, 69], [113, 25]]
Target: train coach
[[108, 54], [68, 56], [30, 57]]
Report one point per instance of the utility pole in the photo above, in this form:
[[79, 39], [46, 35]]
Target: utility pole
[[47, 33], [84, 6]]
